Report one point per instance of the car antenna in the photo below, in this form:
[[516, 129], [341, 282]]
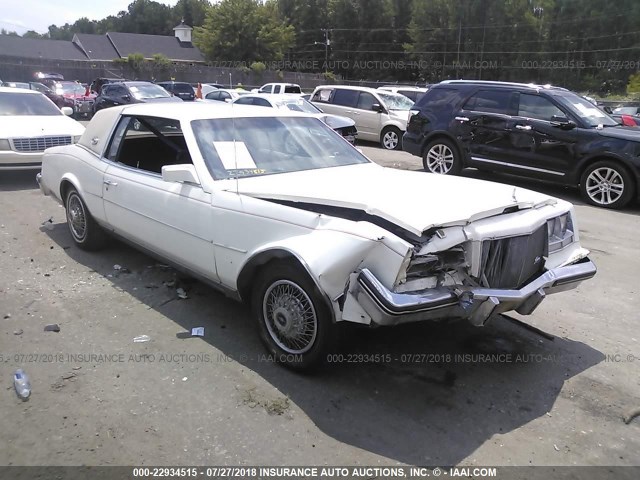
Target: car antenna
[[513, 195]]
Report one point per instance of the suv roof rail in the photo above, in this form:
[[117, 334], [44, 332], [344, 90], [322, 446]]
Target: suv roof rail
[[499, 83]]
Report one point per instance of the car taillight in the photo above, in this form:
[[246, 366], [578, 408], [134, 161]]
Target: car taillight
[[411, 114], [628, 121]]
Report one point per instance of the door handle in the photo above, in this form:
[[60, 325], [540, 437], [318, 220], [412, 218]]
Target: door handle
[[462, 119], [110, 183], [523, 127]]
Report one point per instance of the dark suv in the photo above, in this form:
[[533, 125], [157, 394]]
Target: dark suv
[[181, 90], [542, 132]]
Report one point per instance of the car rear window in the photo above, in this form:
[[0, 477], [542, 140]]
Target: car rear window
[[491, 101], [182, 88], [292, 89], [437, 98], [348, 98]]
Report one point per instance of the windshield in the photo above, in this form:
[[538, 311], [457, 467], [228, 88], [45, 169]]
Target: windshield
[[249, 147], [297, 105], [27, 104], [627, 110], [150, 90], [585, 110], [395, 101], [70, 88]]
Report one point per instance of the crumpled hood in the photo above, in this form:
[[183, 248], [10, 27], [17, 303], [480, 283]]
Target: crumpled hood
[[415, 201], [336, 121], [38, 125]]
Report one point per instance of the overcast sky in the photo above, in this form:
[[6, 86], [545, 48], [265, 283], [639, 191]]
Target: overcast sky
[[23, 15]]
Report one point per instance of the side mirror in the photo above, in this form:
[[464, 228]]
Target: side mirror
[[376, 107], [180, 173], [126, 97], [608, 110], [68, 111], [562, 122]]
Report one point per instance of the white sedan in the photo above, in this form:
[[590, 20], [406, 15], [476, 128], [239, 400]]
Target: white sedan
[[30, 123], [273, 207]]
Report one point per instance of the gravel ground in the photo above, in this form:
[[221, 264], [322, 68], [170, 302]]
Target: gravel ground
[[99, 398]]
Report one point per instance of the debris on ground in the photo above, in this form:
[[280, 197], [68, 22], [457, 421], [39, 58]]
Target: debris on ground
[[141, 339], [22, 384], [169, 283], [18, 332], [52, 327], [121, 269], [181, 293], [631, 415], [197, 332], [184, 379], [7, 315], [273, 406], [556, 447], [48, 224]]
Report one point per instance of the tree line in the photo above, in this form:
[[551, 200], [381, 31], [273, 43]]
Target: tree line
[[580, 44]]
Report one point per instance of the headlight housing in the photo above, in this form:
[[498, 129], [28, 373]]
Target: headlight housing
[[4, 144], [560, 232]]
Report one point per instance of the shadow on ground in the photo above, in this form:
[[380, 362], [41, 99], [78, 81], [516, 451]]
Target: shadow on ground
[[446, 389], [15, 180]]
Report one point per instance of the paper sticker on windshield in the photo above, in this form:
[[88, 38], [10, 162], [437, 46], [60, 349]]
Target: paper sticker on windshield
[[234, 158], [588, 111], [133, 89]]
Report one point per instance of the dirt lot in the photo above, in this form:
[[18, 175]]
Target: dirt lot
[[99, 398]]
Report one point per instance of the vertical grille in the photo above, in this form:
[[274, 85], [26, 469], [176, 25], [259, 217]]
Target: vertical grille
[[39, 144], [514, 261]]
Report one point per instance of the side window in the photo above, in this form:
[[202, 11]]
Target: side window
[[321, 96], [244, 101], [118, 91], [439, 98], [366, 100], [106, 90], [266, 89], [148, 143], [212, 96], [261, 102], [534, 106], [491, 101], [223, 96], [347, 98]]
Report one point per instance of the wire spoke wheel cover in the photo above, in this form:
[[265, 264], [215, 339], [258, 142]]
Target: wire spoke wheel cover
[[76, 217], [439, 159], [290, 317], [605, 186]]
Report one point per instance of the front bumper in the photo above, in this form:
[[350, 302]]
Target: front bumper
[[474, 303], [12, 160]]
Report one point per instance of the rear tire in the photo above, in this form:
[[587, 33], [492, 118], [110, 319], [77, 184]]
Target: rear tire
[[293, 319], [607, 184], [85, 231], [441, 156]]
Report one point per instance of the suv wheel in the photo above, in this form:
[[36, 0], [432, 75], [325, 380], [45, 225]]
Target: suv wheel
[[391, 138], [441, 156], [607, 184]]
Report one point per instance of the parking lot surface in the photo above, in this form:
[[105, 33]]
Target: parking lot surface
[[448, 394]]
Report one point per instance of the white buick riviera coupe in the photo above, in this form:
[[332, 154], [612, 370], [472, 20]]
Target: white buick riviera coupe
[[275, 208]]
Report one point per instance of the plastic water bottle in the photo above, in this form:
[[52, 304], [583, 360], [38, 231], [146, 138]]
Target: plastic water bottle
[[22, 384]]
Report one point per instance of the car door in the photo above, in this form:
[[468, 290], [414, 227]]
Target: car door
[[542, 140], [172, 219], [482, 125], [366, 117]]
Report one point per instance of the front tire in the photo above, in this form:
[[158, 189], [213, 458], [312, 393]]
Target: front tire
[[607, 184], [293, 320], [391, 138], [85, 231], [441, 156]]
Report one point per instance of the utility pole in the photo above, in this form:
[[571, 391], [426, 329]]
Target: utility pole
[[326, 44]]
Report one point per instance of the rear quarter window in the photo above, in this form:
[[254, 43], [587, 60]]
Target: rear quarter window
[[438, 98]]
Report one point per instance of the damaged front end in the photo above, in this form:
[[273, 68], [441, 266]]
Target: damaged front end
[[491, 266]]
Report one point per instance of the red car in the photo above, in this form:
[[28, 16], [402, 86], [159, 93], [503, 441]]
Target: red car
[[69, 94]]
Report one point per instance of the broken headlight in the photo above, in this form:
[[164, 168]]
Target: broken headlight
[[560, 232]]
